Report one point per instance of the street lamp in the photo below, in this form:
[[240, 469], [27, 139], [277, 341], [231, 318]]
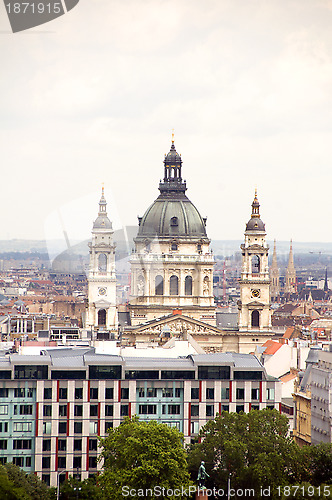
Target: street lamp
[[58, 481]]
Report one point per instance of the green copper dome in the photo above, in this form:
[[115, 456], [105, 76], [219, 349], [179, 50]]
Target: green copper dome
[[172, 215]]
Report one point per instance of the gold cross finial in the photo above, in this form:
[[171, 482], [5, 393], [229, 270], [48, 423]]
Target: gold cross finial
[[172, 135], [102, 189]]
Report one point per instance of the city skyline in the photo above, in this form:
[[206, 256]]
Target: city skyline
[[93, 97]]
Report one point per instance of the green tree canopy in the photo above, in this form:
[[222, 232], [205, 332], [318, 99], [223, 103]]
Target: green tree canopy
[[142, 455], [253, 447], [15, 484]]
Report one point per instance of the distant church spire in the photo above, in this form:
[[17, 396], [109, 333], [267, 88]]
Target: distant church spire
[[290, 281], [102, 204], [326, 283]]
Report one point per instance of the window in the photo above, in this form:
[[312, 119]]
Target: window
[[47, 410], [188, 285], [93, 410], [174, 221], [224, 407], [46, 478], [46, 445], [109, 393], [141, 392], [178, 392], [147, 409], [194, 411], [46, 462], [78, 393], [25, 409], [93, 427], [92, 462], [248, 375], [159, 285], [22, 426], [93, 392], [3, 444], [225, 393], [239, 393], [22, 444], [93, 443], [209, 393], [47, 392], [108, 425], [255, 319], [214, 372], [104, 372], [62, 410], [167, 392], [102, 317], [39, 372], [174, 285], [124, 393], [77, 444], [174, 247], [28, 461], [270, 407], [47, 427], [142, 374], [78, 410], [77, 462], [239, 408], [3, 392], [63, 392], [209, 410], [3, 409], [62, 463], [255, 264], [30, 392], [108, 410], [255, 393], [255, 407], [4, 427], [151, 392], [62, 427], [62, 444], [177, 374], [3, 460], [174, 409], [102, 262], [68, 374], [19, 392], [19, 461], [194, 427], [270, 393], [124, 411], [195, 393], [78, 427]]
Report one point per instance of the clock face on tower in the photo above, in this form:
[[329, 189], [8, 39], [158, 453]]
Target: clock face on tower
[[102, 291], [255, 293]]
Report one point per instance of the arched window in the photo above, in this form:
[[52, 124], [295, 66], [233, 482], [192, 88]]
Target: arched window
[[159, 285], [102, 262], [174, 221], [140, 285], [188, 285], [102, 317], [174, 285], [174, 246], [255, 264], [255, 318]]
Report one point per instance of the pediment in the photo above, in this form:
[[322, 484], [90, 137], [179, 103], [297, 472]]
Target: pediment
[[178, 325]]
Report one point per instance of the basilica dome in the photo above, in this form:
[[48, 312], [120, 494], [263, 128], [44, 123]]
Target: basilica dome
[[172, 215]]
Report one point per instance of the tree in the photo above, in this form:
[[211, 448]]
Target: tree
[[254, 448], [320, 463], [143, 455], [15, 484], [88, 489]]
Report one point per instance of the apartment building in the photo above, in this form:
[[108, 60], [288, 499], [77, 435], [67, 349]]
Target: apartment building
[[54, 406]]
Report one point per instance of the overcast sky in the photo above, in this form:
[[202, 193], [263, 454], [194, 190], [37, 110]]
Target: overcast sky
[[93, 97]]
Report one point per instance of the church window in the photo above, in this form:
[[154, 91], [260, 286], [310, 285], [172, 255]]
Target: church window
[[102, 262], [159, 285], [255, 318], [174, 285], [188, 285], [174, 222], [255, 264], [102, 317]]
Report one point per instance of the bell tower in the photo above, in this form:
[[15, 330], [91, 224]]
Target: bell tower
[[102, 312], [254, 303]]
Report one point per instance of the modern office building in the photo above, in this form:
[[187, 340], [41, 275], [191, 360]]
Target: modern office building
[[54, 406]]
